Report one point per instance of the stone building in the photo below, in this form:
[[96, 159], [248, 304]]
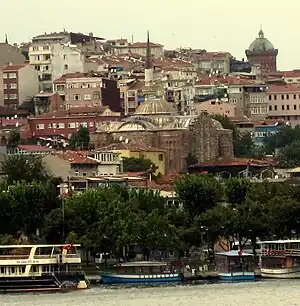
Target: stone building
[[156, 124], [262, 53]]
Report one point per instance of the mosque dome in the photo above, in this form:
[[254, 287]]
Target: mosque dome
[[261, 44], [155, 107]]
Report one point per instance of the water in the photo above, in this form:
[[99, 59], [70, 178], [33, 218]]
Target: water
[[281, 292]]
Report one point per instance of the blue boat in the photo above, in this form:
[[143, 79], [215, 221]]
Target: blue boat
[[235, 266], [143, 272]]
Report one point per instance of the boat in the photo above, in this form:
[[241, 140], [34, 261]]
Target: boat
[[31, 268], [235, 266], [143, 272], [280, 259]]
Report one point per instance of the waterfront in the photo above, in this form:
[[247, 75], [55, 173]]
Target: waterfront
[[272, 292]]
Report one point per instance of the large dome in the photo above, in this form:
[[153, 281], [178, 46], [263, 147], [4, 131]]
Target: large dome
[[155, 107], [261, 44]]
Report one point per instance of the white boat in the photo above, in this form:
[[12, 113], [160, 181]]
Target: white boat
[[40, 268], [235, 266], [280, 259]]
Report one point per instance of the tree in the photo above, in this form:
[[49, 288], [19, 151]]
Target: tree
[[198, 193], [289, 156], [191, 159], [24, 168], [80, 139], [14, 138], [237, 190], [135, 164]]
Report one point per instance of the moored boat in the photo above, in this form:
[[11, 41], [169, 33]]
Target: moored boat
[[25, 268], [280, 259], [142, 272], [235, 266]]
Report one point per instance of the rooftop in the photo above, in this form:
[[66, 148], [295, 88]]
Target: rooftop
[[226, 80], [233, 162], [131, 147], [283, 88], [14, 67], [34, 148], [75, 157]]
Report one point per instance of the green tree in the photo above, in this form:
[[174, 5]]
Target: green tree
[[24, 168], [134, 164], [80, 139], [191, 159], [14, 138], [236, 190], [289, 156], [198, 193]]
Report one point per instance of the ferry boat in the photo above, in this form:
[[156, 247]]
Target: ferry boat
[[235, 266], [280, 259], [40, 268], [142, 272]]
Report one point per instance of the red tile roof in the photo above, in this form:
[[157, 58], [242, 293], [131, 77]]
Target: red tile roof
[[13, 67], [144, 45], [212, 55], [229, 80], [33, 148], [233, 162], [75, 157], [75, 75], [289, 88]]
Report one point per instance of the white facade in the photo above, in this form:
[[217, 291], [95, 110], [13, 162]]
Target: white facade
[[53, 60], [28, 84]]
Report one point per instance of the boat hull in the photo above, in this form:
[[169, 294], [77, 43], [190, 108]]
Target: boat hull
[[281, 273], [43, 283], [237, 276], [140, 279]]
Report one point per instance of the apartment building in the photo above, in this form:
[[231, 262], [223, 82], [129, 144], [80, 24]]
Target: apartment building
[[248, 96], [80, 90], [19, 82], [215, 107], [284, 103], [53, 60], [208, 62], [123, 46]]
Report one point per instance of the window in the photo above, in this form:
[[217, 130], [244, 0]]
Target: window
[[4, 86], [5, 75], [275, 97], [87, 97], [282, 107], [13, 86], [13, 96], [12, 75], [84, 124], [76, 97], [91, 124], [66, 66], [295, 106], [71, 125], [5, 97], [295, 97], [131, 93], [65, 56], [121, 95], [76, 172], [287, 97], [287, 107], [270, 107], [270, 97], [61, 126], [96, 95], [40, 126], [160, 157], [282, 97], [35, 48], [37, 67], [275, 107], [84, 173], [46, 48], [47, 57]]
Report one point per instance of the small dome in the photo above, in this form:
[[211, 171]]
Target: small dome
[[261, 44], [155, 107]]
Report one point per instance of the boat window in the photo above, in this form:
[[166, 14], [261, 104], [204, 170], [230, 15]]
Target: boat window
[[34, 269], [12, 270], [2, 269], [22, 269]]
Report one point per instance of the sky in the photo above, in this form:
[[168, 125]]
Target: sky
[[214, 25]]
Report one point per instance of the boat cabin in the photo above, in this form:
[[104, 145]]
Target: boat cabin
[[144, 267], [280, 254], [234, 261]]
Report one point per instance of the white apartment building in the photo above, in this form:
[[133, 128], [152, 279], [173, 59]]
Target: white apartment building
[[53, 60]]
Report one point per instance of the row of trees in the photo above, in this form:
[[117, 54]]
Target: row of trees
[[107, 219]]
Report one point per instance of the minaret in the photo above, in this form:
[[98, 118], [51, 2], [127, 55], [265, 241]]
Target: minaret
[[6, 40], [148, 64]]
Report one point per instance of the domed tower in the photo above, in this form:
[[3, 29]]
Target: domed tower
[[262, 53]]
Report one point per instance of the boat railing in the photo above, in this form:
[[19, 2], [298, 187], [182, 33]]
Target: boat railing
[[13, 257]]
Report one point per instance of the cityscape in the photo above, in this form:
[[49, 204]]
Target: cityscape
[[167, 165]]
